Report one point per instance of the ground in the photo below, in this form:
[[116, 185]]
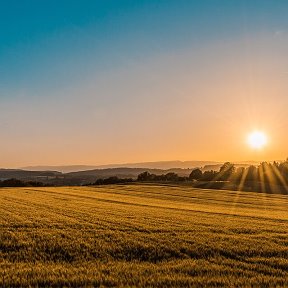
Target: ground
[[142, 235]]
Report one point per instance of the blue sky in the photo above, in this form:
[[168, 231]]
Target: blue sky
[[49, 43], [86, 53]]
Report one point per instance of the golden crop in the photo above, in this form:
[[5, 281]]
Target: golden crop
[[142, 235]]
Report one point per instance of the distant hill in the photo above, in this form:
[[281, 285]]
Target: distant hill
[[216, 167], [162, 164], [62, 169], [122, 172], [26, 175], [84, 174], [82, 177], [151, 165]]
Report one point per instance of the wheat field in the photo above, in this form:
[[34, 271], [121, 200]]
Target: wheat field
[[142, 236]]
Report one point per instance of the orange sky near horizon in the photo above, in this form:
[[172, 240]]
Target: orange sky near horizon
[[145, 82], [179, 120]]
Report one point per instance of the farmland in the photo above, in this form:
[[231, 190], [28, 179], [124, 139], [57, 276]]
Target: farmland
[[142, 235]]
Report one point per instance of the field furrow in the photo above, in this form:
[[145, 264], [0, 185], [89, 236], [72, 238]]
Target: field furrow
[[142, 235]]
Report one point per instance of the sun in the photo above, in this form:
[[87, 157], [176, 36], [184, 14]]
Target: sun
[[257, 139]]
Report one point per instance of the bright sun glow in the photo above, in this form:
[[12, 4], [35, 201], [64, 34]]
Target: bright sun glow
[[257, 139]]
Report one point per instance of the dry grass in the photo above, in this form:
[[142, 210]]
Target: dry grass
[[142, 235]]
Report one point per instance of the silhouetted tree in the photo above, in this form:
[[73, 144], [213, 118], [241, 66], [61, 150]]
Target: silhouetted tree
[[226, 171], [251, 174], [238, 175], [196, 174], [19, 183], [145, 176], [171, 177], [209, 175]]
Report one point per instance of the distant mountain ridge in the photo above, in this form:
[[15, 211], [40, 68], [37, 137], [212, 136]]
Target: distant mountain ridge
[[81, 174], [25, 174], [124, 172], [83, 177], [150, 165]]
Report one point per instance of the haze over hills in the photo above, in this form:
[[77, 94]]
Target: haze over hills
[[151, 165], [85, 174], [62, 168], [23, 174]]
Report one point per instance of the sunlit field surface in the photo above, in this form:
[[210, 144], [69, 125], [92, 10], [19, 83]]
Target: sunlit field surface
[[142, 235]]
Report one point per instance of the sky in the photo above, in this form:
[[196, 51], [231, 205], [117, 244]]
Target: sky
[[101, 82]]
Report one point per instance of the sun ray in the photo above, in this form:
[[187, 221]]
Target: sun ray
[[239, 190], [280, 178], [242, 180], [262, 179]]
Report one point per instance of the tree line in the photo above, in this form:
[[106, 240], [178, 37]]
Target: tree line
[[264, 177], [19, 183], [267, 177]]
